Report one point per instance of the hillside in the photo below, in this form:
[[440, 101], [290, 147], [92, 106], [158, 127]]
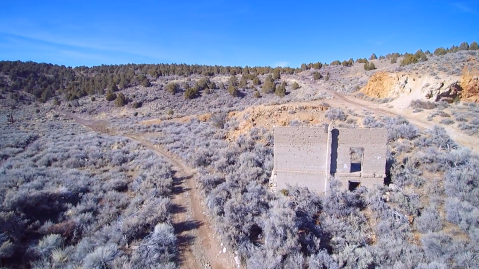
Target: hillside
[[137, 166]]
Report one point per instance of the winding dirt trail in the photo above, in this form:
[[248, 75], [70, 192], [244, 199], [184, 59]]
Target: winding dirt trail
[[199, 248], [206, 252]]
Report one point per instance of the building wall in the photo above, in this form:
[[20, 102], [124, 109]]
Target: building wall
[[300, 149], [374, 142], [308, 156]]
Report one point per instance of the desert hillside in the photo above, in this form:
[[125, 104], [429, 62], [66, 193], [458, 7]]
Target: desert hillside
[[169, 165]]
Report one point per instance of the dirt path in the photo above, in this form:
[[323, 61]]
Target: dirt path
[[198, 246], [346, 102], [206, 250]]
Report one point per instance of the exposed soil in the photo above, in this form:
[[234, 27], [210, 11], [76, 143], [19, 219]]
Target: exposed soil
[[470, 84], [313, 112], [199, 248], [380, 84]]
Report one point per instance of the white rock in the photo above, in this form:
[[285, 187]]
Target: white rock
[[237, 260]]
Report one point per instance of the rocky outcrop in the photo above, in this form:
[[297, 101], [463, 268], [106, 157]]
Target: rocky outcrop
[[380, 85], [451, 93], [384, 84], [470, 85]]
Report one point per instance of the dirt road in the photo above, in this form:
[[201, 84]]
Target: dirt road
[[206, 251], [198, 246], [348, 102]]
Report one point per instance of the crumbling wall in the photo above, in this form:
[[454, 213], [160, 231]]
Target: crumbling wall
[[374, 142], [300, 157], [309, 156], [300, 149]]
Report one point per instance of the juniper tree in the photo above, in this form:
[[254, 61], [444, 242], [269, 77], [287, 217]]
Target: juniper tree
[[243, 83], [474, 46], [172, 87], [120, 100], [268, 85], [110, 96], [281, 89], [233, 90], [295, 85], [276, 74], [464, 46], [440, 51]]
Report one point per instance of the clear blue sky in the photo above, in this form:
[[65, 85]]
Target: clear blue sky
[[253, 33]]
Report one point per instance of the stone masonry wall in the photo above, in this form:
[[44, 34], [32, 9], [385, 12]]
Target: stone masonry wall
[[309, 156]]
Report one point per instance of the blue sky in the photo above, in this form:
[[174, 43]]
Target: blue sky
[[239, 33]]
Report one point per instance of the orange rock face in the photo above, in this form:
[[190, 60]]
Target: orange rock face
[[379, 85], [470, 85]]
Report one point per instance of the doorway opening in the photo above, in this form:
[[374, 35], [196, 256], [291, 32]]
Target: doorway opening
[[353, 185]]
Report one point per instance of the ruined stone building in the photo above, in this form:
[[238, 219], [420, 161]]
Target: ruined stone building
[[307, 157]]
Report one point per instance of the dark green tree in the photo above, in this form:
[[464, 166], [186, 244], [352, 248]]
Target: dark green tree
[[110, 96], [394, 59], [243, 83], [373, 56], [409, 59], [172, 87], [112, 88], [420, 55], [281, 89], [440, 51], [295, 85], [203, 84], [474, 46], [123, 84], [276, 74], [317, 65], [120, 100], [268, 85], [191, 93], [366, 66], [233, 90], [233, 81], [145, 83], [464, 46]]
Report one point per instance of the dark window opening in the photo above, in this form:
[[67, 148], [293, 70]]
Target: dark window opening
[[353, 185], [356, 155]]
